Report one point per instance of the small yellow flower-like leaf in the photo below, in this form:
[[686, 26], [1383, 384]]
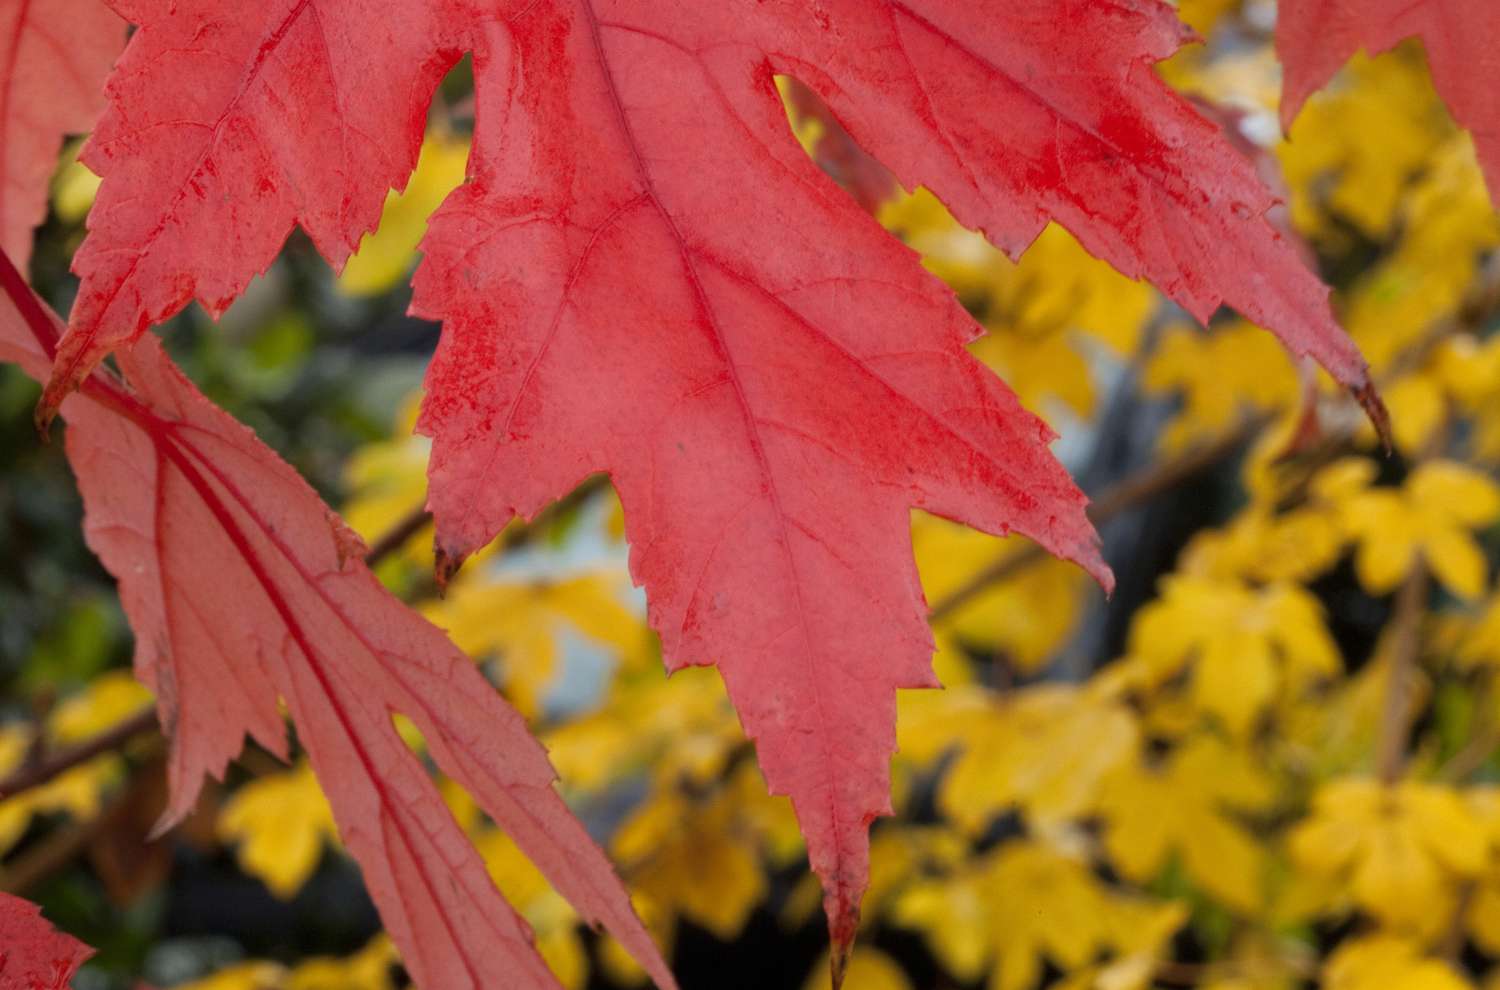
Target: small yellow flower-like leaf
[[1431, 515], [1044, 750], [245, 976], [1056, 286], [1399, 848], [108, 700], [367, 969], [1184, 807], [974, 920], [519, 621], [1221, 374], [281, 823], [1387, 962], [1243, 646], [703, 860]]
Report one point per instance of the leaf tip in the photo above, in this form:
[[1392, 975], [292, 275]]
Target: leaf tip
[[43, 415], [1369, 399], [838, 964], [445, 566]]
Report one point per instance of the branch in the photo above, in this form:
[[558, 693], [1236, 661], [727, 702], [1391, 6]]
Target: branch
[[59, 763], [395, 538], [1395, 717], [56, 850]]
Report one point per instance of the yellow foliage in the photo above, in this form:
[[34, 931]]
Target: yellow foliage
[[281, 823], [701, 858], [1331, 164], [1221, 375], [1202, 15], [108, 700], [1385, 962], [389, 480], [1429, 520], [978, 921], [1244, 646], [868, 969], [74, 187], [1448, 226], [519, 621], [367, 969], [1026, 619], [1044, 750], [1186, 807], [385, 257], [681, 729], [1030, 307], [1399, 848]]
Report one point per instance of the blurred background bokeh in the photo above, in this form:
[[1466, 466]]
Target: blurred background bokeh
[[1268, 762]]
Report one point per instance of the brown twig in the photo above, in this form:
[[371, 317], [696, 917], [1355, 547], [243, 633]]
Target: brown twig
[[395, 538], [1405, 643], [60, 762], [55, 851]]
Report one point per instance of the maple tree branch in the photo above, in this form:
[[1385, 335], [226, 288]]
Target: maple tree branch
[[54, 852], [395, 538], [1117, 499], [55, 765]]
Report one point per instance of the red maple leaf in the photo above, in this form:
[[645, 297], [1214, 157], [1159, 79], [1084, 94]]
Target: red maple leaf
[[34, 955], [243, 588], [1316, 37], [54, 55], [645, 275]]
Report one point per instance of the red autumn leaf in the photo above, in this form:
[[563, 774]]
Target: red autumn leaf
[[646, 276], [54, 55], [33, 955], [242, 587], [1316, 37]]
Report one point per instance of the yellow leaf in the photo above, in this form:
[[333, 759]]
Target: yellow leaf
[[1026, 617], [1243, 646], [281, 823], [367, 969], [519, 621], [1220, 375], [1043, 750], [108, 700], [1386, 962], [1329, 153], [385, 257], [1185, 807], [974, 919], [1431, 515], [1401, 849], [245, 976]]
